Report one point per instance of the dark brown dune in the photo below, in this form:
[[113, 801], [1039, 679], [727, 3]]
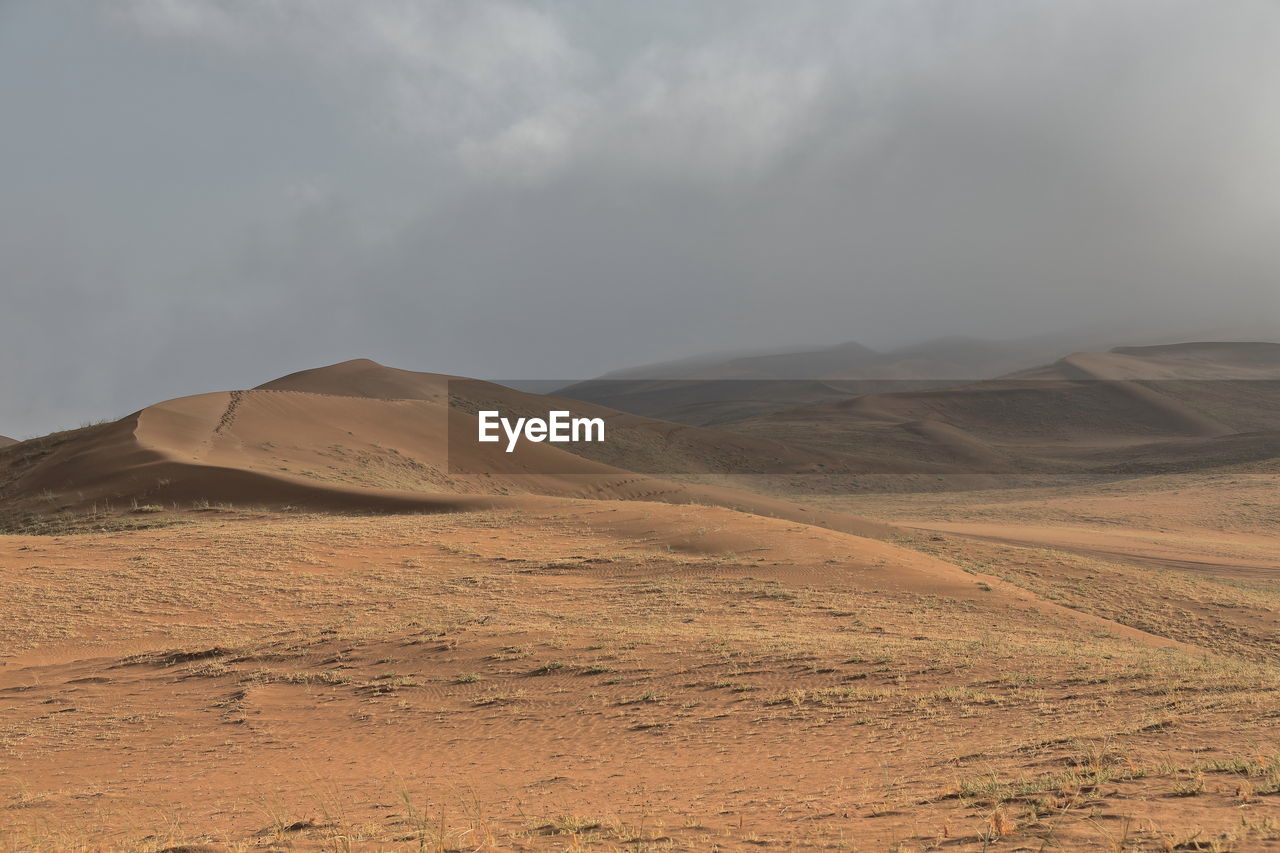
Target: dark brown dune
[[1136, 409], [1208, 360], [711, 391], [1051, 409]]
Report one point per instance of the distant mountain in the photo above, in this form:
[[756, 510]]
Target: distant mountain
[[708, 391], [5, 442], [840, 360], [689, 367]]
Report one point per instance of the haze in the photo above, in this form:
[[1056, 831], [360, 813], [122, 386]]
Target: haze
[[201, 195]]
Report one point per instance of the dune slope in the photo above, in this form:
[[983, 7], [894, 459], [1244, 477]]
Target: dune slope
[[360, 436], [1131, 410], [718, 390]]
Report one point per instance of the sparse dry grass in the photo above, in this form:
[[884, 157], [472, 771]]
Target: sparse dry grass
[[537, 681]]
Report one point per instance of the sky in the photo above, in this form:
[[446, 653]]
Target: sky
[[200, 195]]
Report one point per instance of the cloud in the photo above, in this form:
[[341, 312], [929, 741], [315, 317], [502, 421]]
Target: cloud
[[435, 67], [553, 188]]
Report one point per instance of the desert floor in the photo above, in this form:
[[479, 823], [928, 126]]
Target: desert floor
[[1077, 668]]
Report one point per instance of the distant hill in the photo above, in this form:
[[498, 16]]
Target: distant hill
[[1233, 360], [5, 442], [952, 357], [1128, 410], [709, 392]]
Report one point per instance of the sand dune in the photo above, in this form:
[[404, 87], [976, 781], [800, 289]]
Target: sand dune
[[636, 443], [1197, 360], [362, 377], [1046, 409], [1135, 409], [710, 391], [360, 436]]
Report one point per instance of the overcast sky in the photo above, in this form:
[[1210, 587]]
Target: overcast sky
[[204, 194]]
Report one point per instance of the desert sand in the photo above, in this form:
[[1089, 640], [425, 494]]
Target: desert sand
[[283, 618]]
